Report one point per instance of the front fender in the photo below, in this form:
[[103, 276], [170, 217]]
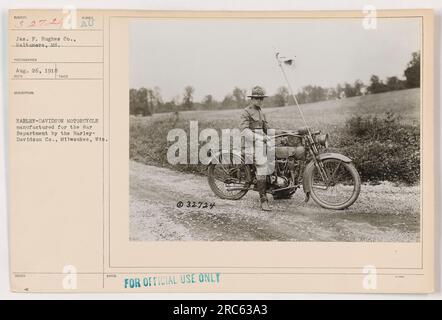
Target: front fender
[[311, 165], [330, 155]]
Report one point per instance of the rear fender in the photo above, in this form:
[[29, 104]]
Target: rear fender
[[236, 156]]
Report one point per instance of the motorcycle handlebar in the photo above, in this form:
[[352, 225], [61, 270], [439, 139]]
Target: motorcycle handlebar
[[293, 133]]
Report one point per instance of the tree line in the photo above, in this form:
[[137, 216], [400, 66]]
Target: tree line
[[146, 101]]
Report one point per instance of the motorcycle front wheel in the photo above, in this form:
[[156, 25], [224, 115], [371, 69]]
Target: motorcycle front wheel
[[339, 188], [229, 181]]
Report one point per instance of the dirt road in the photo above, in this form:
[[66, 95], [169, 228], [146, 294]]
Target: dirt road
[[382, 213]]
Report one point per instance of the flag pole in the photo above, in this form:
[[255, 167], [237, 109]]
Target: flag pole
[[291, 91]]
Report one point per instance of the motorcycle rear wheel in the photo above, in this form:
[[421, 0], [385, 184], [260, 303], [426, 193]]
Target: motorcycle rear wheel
[[221, 177]]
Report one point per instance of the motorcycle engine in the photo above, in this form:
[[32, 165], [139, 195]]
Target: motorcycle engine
[[279, 182]]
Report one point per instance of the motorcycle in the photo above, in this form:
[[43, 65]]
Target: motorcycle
[[331, 179]]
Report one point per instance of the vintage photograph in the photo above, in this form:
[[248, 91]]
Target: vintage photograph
[[275, 129]]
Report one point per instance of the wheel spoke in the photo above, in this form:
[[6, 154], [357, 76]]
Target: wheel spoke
[[339, 187], [228, 180], [334, 173]]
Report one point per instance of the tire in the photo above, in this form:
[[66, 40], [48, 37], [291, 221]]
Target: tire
[[352, 172], [224, 194]]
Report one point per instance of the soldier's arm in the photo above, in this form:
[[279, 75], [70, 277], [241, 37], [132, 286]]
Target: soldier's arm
[[272, 131], [245, 125], [278, 131], [265, 124]]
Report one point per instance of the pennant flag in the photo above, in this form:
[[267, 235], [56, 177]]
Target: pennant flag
[[290, 62]]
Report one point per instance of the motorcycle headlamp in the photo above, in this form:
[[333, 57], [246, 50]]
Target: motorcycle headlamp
[[322, 139]]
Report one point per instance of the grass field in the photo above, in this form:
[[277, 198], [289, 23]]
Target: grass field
[[148, 134], [322, 115]]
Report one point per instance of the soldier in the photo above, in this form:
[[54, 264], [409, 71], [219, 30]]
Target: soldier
[[254, 128]]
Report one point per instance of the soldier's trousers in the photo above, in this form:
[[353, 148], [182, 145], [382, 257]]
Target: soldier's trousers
[[263, 157]]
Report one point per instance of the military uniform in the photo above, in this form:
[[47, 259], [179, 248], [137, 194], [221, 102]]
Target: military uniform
[[253, 121], [253, 118]]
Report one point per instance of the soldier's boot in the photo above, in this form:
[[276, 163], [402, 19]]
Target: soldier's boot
[[262, 185], [265, 205]]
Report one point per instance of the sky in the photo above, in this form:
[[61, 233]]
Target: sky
[[214, 56]]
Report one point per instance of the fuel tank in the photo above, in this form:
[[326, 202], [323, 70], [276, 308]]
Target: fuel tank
[[285, 152]]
